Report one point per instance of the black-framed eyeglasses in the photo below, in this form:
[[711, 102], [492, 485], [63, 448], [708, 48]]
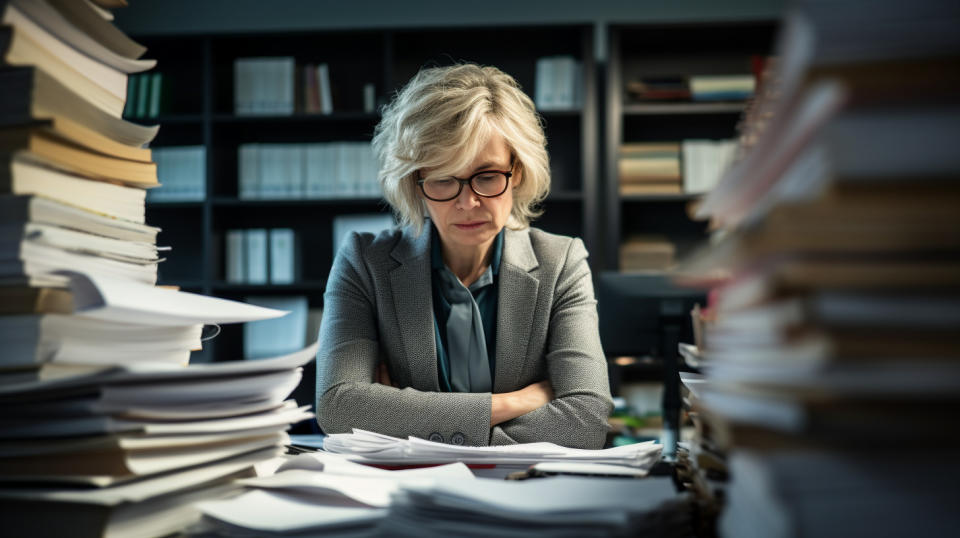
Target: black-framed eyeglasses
[[486, 183]]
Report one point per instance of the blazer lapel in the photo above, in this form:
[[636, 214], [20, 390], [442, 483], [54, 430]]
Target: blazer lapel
[[413, 306], [516, 303]]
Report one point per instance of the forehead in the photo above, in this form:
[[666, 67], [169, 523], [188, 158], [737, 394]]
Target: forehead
[[494, 153]]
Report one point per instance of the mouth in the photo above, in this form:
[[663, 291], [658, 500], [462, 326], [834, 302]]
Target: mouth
[[472, 225]]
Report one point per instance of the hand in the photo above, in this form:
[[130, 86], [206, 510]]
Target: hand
[[510, 405], [383, 375]]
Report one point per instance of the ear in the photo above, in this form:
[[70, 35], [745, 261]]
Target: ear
[[517, 178]]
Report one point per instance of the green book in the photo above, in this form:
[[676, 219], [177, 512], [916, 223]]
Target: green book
[[156, 92], [131, 103], [143, 95]]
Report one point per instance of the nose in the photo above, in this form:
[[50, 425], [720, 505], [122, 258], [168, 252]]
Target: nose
[[467, 199]]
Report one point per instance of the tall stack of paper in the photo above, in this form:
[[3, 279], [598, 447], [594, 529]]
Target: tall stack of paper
[[72, 171], [103, 429], [319, 493], [832, 364]]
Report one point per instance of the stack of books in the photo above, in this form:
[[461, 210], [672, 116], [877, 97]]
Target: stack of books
[[650, 168], [831, 366], [646, 253], [105, 429], [657, 89]]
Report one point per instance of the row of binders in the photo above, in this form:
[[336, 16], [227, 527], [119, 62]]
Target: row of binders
[[105, 427], [690, 166], [261, 256], [830, 352], [307, 171], [147, 96]]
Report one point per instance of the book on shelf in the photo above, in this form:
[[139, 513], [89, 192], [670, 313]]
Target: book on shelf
[[276, 261], [649, 168], [280, 335], [264, 86], [831, 360], [657, 89], [651, 188], [236, 266], [255, 254], [557, 84], [283, 263], [722, 87], [182, 172], [148, 96], [646, 253]]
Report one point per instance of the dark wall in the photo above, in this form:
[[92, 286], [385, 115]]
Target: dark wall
[[145, 17]]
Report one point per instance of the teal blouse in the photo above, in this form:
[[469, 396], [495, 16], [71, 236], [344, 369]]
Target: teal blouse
[[483, 293]]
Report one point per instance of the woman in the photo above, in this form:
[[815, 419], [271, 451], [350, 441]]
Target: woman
[[467, 327]]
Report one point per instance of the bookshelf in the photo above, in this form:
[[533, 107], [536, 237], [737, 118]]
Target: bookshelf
[[645, 51], [198, 73]]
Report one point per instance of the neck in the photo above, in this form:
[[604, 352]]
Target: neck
[[468, 263]]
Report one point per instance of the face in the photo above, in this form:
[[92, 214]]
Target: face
[[470, 221]]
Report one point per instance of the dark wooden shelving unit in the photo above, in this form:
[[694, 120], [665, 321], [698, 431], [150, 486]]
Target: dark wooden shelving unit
[[658, 50], [198, 72]]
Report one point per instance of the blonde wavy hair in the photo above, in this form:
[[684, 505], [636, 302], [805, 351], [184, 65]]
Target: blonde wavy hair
[[441, 119]]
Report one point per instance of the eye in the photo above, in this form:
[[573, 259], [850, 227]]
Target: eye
[[487, 178], [440, 183]]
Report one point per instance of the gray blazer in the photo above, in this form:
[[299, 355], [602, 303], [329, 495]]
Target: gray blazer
[[378, 306]]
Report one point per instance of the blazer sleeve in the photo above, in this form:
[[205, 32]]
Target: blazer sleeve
[[576, 366], [348, 397]]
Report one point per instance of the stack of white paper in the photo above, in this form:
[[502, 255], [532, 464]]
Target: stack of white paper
[[367, 446], [124, 429], [320, 492], [560, 506]]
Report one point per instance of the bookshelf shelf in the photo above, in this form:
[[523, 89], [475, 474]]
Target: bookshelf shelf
[[161, 204], [668, 109], [565, 196], [313, 202], [175, 119], [298, 118], [647, 198], [296, 287]]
